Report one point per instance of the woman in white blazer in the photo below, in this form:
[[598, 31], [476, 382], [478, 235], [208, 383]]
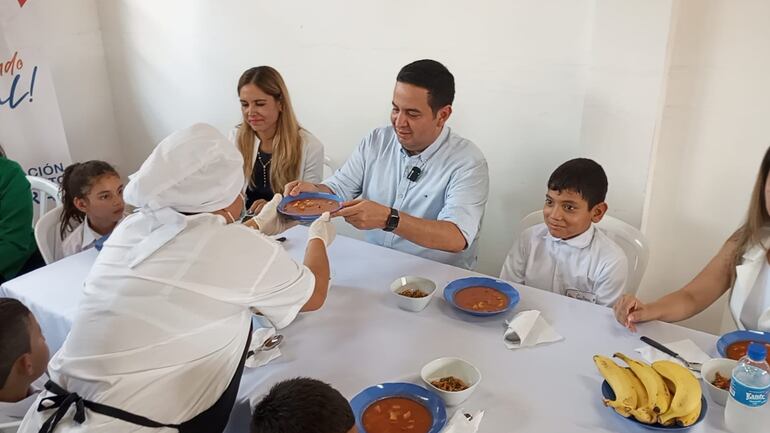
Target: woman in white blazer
[[742, 263], [276, 149]]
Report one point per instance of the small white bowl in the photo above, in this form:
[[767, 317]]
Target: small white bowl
[[709, 372], [456, 367], [413, 304]]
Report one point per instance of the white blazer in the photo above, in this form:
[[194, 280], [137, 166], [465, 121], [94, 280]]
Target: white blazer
[[312, 162], [745, 278]]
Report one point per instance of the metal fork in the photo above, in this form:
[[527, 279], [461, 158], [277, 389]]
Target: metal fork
[[694, 366]]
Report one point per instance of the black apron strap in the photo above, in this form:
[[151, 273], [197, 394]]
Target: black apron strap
[[218, 414], [63, 400]]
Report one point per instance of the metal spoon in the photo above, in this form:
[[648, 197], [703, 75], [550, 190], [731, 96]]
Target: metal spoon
[[694, 366], [269, 344]]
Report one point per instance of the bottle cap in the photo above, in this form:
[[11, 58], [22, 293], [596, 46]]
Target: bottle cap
[[757, 352]]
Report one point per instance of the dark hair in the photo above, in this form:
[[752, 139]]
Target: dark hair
[[432, 76], [302, 405], [583, 176], [14, 335], [76, 183]]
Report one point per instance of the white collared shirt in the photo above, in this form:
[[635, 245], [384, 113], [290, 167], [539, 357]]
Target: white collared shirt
[[13, 412], [81, 238], [590, 266]]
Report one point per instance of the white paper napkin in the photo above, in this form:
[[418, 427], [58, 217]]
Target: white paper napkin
[[685, 348], [529, 328], [260, 358], [459, 423]]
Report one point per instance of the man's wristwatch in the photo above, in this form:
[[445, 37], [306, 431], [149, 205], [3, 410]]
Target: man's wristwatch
[[392, 221]]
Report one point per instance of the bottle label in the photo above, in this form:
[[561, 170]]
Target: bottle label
[[747, 395]]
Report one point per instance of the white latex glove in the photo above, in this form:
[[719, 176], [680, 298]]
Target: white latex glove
[[322, 229], [269, 221]]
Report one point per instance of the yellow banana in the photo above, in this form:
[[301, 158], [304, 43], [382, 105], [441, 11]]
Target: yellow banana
[[642, 412], [621, 384], [658, 394], [687, 391], [690, 418]]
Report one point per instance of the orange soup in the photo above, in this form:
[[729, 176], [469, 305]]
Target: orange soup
[[396, 415], [312, 206], [480, 298], [739, 349]]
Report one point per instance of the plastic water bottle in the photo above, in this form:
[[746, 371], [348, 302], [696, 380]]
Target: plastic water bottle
[[747, 409]]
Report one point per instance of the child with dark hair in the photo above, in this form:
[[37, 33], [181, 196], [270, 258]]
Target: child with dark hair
[[92, 196], [567, 254], [23, 360], [303, 405]]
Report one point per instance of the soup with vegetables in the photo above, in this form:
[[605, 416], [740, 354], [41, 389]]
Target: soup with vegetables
[[482, 299], [312, 206], [396, 415]]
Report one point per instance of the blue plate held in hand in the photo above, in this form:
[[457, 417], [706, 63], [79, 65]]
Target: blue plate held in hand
[[304, 196], [418, 394], [451, 290]]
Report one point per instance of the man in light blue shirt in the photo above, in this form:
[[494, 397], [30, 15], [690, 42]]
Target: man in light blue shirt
[[415, 186]]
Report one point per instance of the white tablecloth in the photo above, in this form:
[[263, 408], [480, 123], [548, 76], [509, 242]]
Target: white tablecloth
[[360, 338]]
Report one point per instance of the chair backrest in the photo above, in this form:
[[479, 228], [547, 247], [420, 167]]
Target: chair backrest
[[42, 190], [329, 166], [47, 235], [10, 427], [631, 240]]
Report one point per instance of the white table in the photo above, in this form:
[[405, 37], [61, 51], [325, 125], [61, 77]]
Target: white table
[[360, 338]]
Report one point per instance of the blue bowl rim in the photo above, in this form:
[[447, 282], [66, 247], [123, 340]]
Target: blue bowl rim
[[455, 286], [608, 393], [429, 399], [740, 335]]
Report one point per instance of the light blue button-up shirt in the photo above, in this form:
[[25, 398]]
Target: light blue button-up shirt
[[453, 186]]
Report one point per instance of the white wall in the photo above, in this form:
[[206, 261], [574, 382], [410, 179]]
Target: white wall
[[714, 131], [530, 77], [68, 36]]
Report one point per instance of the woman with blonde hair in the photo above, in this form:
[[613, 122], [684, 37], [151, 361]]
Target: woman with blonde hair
[[276, 149], [742, 263]]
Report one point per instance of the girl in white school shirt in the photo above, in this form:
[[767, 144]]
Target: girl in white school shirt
[[275, 149], [743, 262], [92, 196]]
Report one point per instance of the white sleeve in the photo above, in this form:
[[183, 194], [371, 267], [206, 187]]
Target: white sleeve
[[514, 268], [312, 159], [611, 281], [241, 266]]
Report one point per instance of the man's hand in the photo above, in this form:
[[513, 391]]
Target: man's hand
[[364, 214], [295, 187]]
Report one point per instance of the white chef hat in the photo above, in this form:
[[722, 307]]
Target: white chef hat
[[192, 170]]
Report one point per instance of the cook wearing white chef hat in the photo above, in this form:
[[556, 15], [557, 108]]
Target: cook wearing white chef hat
[[159, 340]]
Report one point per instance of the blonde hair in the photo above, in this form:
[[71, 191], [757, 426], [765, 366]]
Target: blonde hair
[[750, 233], [287, 143]]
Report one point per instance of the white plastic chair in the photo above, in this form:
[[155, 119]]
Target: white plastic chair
[[45, 189], [329, 166], [47, 235], [10, 427], [631, 240]]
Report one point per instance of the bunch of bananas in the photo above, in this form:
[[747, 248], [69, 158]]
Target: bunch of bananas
[[664, 392]]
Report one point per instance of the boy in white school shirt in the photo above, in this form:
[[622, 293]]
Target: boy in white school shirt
[[567, 254], [23, 360]]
